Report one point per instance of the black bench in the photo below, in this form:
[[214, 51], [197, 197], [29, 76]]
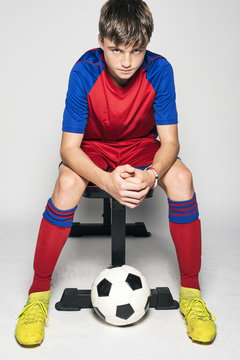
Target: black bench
[[114, 224]]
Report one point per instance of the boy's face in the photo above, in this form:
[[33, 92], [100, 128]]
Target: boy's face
[[122, 61]]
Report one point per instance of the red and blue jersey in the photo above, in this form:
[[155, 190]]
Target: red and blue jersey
[[101, 110]]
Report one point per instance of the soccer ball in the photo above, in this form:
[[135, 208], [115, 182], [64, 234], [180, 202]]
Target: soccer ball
[[120, 295]]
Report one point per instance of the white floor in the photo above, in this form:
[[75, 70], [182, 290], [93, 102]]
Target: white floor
[[161, 334]]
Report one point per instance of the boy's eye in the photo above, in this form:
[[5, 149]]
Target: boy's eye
[[117, 51]]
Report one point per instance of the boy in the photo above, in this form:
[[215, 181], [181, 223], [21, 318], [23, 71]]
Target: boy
[[120, 97]]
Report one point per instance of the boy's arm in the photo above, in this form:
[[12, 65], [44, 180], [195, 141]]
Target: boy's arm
[[164, 157], [168, 151], [126, 193], [166, 117], [73, 157]]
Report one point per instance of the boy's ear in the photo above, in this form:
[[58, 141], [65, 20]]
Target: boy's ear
[[100, 41]]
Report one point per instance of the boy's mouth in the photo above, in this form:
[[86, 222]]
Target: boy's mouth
[[125, 71]]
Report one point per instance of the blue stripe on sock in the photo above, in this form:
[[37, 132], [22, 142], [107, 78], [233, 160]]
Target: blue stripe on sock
[[182, 207], [181, 202], [189, 214], [63, 220], [183, 212], [63, 211], [184, 219]]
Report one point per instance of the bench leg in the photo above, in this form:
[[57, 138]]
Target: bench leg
[[118, 233]]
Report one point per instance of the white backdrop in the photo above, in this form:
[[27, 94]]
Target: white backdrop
[[40, 42]]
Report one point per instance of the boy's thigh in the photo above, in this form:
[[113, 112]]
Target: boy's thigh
[[83, 183]]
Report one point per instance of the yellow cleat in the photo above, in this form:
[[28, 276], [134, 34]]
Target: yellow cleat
[[30, 327], [200, 321]]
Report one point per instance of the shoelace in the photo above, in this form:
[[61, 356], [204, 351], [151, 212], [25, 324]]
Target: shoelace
[[196, 308], [31, 312]]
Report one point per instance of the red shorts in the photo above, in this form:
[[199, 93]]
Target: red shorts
[[109, 154]]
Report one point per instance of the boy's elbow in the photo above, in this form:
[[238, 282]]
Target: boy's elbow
[[64, 153], [61, 154], [177, 147], [174, 144], [70, 142]]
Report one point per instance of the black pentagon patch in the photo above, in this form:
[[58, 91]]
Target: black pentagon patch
[[99, 313], [147, 303], [124, 311], [104, 287], [134, 281]]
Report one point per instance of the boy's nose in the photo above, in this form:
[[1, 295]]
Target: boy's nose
[[126, 61]]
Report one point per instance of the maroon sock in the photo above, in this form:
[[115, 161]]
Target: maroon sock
[[187, 241]]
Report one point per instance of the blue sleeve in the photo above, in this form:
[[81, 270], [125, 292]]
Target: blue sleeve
[[164, 102], [76, 106]]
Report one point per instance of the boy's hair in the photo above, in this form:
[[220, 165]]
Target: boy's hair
[[127, 22]]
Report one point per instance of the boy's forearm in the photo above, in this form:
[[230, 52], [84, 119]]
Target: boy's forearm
[[165, 157], [80, 163]]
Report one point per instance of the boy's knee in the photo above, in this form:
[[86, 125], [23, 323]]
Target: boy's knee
[[67, 181], [179, 180], [184, 178]]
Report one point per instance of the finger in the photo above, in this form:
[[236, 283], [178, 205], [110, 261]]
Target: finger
[[127, 168], [132, 202], [134, 180], [130, 168], [125, 175], [132, 189], [129, 204], [134, 185], [136, 195]]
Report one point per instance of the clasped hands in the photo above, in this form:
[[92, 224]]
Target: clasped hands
[[129, 185]]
